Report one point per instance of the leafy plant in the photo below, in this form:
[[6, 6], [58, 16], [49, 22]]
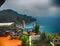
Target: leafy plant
[[25, 39], [36, 28]]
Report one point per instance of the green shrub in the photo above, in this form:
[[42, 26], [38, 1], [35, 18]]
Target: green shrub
[[25, 39]]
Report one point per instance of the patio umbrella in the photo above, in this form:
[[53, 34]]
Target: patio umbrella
[[1, 2]]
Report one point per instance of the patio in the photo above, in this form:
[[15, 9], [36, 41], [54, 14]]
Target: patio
[[5, 41]]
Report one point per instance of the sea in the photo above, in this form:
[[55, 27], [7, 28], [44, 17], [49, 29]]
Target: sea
[[48, 25]]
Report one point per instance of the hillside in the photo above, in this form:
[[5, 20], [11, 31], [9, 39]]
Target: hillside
[[12, 16]]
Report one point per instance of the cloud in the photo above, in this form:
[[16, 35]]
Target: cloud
[[54, 10], [56, 3], [31, 7]]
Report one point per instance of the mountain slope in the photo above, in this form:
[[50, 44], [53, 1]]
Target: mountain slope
[[12, 16]]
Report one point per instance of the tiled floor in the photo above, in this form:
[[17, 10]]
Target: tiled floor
[[5, 41]]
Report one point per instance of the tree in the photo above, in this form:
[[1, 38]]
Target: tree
[[36, 28]]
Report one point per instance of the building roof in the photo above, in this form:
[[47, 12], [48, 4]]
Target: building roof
[[5, 24]]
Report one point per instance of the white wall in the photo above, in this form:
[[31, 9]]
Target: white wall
[[36, 37]]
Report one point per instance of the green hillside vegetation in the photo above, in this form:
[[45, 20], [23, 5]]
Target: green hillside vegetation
[[12, 16]]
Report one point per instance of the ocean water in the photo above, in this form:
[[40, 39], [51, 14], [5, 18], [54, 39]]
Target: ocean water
[[41, 29], [48, 24], [51, 24]]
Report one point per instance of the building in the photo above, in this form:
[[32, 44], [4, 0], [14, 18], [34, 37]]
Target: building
[[7, 27], [23, 24]]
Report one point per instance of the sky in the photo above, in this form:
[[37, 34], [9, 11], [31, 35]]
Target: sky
[[37, 8], [33, 7]]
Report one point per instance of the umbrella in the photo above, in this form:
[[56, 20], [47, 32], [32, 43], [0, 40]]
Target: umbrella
[[1, 2]]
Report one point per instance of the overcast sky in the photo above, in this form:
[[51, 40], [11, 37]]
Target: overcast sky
[[33, 7]]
